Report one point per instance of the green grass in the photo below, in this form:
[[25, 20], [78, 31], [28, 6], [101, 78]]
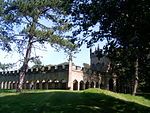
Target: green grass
[[56, 101]]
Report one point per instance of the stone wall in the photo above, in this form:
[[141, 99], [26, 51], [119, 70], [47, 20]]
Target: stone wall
[[55, 77]]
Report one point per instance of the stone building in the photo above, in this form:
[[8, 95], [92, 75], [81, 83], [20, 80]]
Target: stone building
[[65, 76], [49, 77]]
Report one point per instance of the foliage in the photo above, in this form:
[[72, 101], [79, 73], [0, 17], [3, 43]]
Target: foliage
[[124, 24], [5, 67], [34, 23], [89, 101], [4, 39]]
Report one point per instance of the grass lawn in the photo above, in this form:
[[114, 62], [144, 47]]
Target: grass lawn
[[62, 101]]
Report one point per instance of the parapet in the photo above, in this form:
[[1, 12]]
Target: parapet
[[38, 70], [77, 68]]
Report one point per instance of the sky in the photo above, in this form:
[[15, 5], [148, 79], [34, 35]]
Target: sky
[[51, 56]]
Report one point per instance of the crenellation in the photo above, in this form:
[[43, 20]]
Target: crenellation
[[5, 72], [49, 67], [56, 67], [18, 71], [37, 69], [34, 70], [78, 68], [63, 66], [31, 69], [66, 67], [54, 77], [46, 68], [52, 68], [60, 67]]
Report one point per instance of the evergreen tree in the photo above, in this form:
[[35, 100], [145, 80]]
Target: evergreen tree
[[38, 21]]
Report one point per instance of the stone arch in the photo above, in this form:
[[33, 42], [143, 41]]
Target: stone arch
[[111, 82], [9, 85], [75, 85], [50, 84], [27, 84], [2, 85], [37, 86], [13, 85], [63, 84], [5, 84], [87, 85], [92, 84], [97, 85], [56, 84], [44, 84], [82, 85], [31, 84], [101, 85]]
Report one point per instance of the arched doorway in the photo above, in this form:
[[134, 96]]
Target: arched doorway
[[87, 85], [63, 84], [92, 84], [81, 85], [37, 84], [49, 84], [111, 84], [27, 85], [44, 84], [75, 85], [97, 85], [13, 85], [56, 84]]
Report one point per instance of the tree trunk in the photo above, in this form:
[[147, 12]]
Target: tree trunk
[[135, 77], [24, 67]]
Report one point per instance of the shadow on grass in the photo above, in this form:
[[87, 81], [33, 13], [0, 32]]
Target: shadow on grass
[[67, 102], [145, 95], [7, 91]]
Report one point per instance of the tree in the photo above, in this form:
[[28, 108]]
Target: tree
[[4, 39], [124, 22], [5, 67], [28, 16]]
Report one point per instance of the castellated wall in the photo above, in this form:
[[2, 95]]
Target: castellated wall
[[59, 72], [37, 78], [55, 77]]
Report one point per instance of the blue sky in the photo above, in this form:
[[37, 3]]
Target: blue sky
[[51, 56]]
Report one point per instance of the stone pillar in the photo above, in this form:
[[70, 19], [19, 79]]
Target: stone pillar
[[83, 86], [8, 87], [78, 86], [1, 85], [106, 81], [94, 84], [5, 85], [40, 85], [114, 85], [46, 85], [70, 82]]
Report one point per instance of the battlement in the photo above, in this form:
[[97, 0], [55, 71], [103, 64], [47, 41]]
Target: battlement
[[77, 68], [55, 68]]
